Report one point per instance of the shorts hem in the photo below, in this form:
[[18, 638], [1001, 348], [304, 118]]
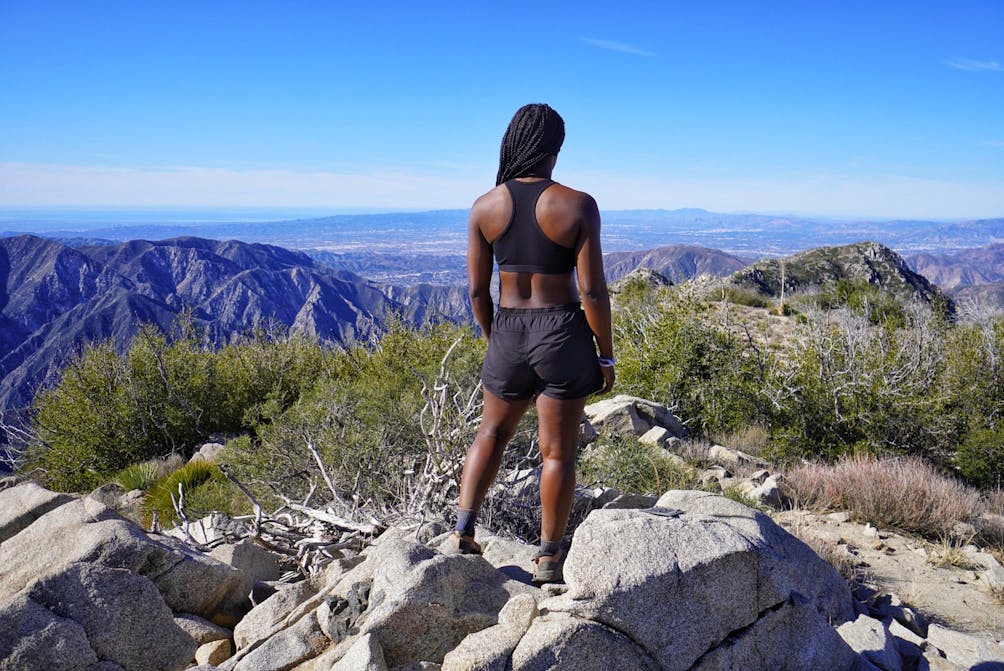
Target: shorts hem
[[506, 397]]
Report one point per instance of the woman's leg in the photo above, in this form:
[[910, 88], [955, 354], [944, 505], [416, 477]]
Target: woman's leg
[[558, 426], [498, 424]]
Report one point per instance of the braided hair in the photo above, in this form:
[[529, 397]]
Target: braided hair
[[535, 132]]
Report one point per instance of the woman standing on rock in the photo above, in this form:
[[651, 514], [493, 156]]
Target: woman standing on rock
[[542, 344]]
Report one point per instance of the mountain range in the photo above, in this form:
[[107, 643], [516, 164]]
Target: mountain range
[[57, 298]]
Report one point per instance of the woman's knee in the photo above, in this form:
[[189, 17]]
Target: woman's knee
[[496, 434]]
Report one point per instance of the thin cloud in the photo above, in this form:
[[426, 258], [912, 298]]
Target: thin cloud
[[970, 65], [995, 143], [623, 48]]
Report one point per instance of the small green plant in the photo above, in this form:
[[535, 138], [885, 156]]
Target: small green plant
[[138, 476], [738, 495], [189, 477]]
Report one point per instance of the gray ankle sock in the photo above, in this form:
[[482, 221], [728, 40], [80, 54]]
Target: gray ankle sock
[[465, 521], [549, 548]]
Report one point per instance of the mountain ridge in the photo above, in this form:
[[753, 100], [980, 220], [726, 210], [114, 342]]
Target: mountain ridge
[[56, 299]]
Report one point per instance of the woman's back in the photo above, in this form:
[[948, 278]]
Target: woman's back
[[563, 216]]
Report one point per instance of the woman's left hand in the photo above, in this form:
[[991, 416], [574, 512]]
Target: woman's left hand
[[609, 376]]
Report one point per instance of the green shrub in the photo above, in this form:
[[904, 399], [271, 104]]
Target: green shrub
[[866, 300], [160, 397], [671, 354], [363, 420], [632, 466], [743, 296], [980, 458]]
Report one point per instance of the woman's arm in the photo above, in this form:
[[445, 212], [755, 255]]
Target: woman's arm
[[479, 273], [593, 285]]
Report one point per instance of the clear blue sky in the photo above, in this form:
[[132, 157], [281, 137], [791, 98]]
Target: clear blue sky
[[892, 109]]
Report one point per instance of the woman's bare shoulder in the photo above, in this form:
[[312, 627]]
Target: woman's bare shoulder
[[570, 200], [490, 203]]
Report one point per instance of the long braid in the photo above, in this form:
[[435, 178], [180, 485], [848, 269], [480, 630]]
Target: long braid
[[535, 132]]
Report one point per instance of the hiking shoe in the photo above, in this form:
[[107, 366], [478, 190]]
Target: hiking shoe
[[549, 568], [460, 545]]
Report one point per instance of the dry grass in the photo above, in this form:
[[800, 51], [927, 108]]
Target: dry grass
[[997, 592], [990, 525], [751, 439], [949, 553], [993, 501], [901, 493]]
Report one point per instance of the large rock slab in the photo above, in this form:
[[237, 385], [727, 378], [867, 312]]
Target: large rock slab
[[255, 564], [33, 638], [490, 649], [364, 655], [24, 503], [200, 629], [301, 641], [791, 564], [680, 579], [562, 641], [965, 650], [122, 615], [792, 637], [425, 603], [263, 619], [86, 531]]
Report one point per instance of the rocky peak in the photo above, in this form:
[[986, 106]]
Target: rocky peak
[[871, 262]]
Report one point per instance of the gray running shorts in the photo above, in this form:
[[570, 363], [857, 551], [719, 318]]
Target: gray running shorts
[[548, 351]]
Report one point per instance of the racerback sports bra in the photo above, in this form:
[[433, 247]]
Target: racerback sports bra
[[522, 247]]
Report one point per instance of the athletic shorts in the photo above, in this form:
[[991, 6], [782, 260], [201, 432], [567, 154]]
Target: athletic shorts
[[546, 351]]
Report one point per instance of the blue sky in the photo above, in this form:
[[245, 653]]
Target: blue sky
[[891, 109]]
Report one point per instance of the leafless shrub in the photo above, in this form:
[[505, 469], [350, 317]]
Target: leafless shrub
[[16, 433], [903, 493], [448, 420]]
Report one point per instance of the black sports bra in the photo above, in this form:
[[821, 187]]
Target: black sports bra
[[522, 247]]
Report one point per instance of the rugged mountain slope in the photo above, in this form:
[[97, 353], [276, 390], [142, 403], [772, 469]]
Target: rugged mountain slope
[[983, 265], [55, 299], [824, 266], [676, 262], [983, 296]]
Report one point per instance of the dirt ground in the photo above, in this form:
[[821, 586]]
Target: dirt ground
[[956, 596]]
